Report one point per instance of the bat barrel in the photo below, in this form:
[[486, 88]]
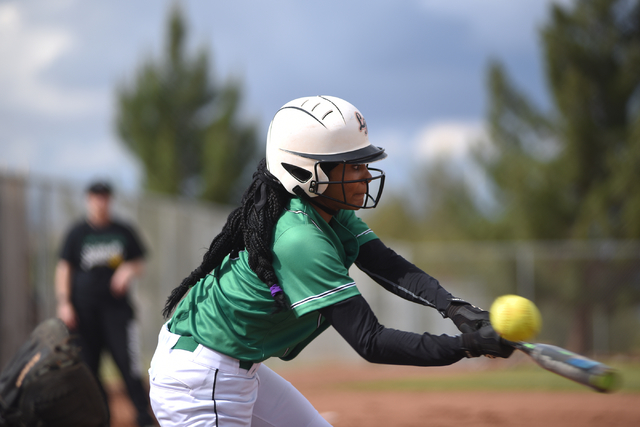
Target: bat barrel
[[604, 379], [583, 370]]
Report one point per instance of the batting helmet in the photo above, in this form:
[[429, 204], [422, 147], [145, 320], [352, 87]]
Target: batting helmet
[[309, 133]]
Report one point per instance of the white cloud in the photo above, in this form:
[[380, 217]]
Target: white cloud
[[452, 145], [27, 52], [392, 140], [451, 140], [9, 16]]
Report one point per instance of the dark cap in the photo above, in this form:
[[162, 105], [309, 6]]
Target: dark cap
[[100, 187]]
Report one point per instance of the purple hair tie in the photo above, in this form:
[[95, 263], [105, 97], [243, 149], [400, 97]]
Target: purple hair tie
[[275, 289]]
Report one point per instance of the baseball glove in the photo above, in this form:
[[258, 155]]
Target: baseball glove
[[46, 384]]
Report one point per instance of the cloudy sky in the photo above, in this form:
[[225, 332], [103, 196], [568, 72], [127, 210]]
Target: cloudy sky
[[415, 68]]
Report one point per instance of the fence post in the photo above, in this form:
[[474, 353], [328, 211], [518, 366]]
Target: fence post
[[525, 264], [17, 316]]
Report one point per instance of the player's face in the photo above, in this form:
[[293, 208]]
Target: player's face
[[353, 193], [98, 208]]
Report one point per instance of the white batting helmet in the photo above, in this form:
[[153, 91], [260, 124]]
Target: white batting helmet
[[311, 131]]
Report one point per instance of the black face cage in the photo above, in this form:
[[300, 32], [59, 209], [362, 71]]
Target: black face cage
[[374, 184]]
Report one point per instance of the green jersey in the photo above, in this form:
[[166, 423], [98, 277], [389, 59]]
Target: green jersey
[[231, 309]]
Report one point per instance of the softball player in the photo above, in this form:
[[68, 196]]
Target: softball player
[[98, 261], [277, 276]]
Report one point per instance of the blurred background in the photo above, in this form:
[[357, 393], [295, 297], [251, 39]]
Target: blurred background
[[512, 129]]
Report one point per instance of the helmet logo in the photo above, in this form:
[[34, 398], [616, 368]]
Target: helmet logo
[[363, 124]]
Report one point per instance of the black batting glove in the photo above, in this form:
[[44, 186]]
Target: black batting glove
[[485, 342], [467, 317]]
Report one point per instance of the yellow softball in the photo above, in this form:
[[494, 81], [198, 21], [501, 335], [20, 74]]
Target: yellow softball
[[515, 318]]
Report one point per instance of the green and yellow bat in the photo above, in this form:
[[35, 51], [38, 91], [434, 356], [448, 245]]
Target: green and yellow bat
[[580, 369]]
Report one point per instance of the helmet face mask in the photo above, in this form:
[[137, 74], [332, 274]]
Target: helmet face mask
[[375, 185], [313, 131]]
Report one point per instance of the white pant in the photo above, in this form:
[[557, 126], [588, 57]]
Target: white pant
[[206, 388]]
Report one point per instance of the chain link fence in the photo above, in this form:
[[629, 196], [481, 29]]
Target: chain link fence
[[564, 278]]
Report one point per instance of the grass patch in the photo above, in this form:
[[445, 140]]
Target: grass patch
[[521, 378]]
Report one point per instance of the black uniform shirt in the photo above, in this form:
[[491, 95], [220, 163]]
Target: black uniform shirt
[[95, 253]]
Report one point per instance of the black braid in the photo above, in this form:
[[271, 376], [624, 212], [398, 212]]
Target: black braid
[[247, 227]]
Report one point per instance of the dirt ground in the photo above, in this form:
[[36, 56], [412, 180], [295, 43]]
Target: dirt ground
[[344, 407]]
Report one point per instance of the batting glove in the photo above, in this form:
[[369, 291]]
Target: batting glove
[[467, 317], [487, 342]]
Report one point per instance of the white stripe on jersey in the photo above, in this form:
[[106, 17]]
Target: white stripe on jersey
[[324, 294], [304, 213], [367, 231]]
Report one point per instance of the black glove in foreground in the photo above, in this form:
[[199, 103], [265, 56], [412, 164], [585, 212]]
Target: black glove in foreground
[[487, 342], [467, 317]]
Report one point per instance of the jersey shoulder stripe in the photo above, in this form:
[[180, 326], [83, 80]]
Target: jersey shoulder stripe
[[307, 215], [364, 233], [324, 294]]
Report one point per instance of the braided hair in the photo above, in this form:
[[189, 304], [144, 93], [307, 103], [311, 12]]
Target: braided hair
[[249, 226]]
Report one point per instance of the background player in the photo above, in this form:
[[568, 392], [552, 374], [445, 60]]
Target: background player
[[277, 276], [99, 259]]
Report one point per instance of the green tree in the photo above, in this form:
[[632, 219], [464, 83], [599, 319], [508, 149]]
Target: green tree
[[442, 208], [573, 173], [184, 128]]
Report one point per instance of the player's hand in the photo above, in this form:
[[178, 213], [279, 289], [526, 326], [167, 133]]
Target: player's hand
[[120, 283], [487, 342], [120, 280], [124, 274], [468, 318], [67, 314]]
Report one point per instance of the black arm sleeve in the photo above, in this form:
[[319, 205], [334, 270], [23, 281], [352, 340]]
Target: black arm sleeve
[[357, 324], [399, 276]]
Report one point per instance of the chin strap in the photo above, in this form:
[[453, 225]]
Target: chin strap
[[300, 193]]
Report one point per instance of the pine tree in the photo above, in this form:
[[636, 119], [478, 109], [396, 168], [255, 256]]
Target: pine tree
[[182, 126], [572, 173]]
